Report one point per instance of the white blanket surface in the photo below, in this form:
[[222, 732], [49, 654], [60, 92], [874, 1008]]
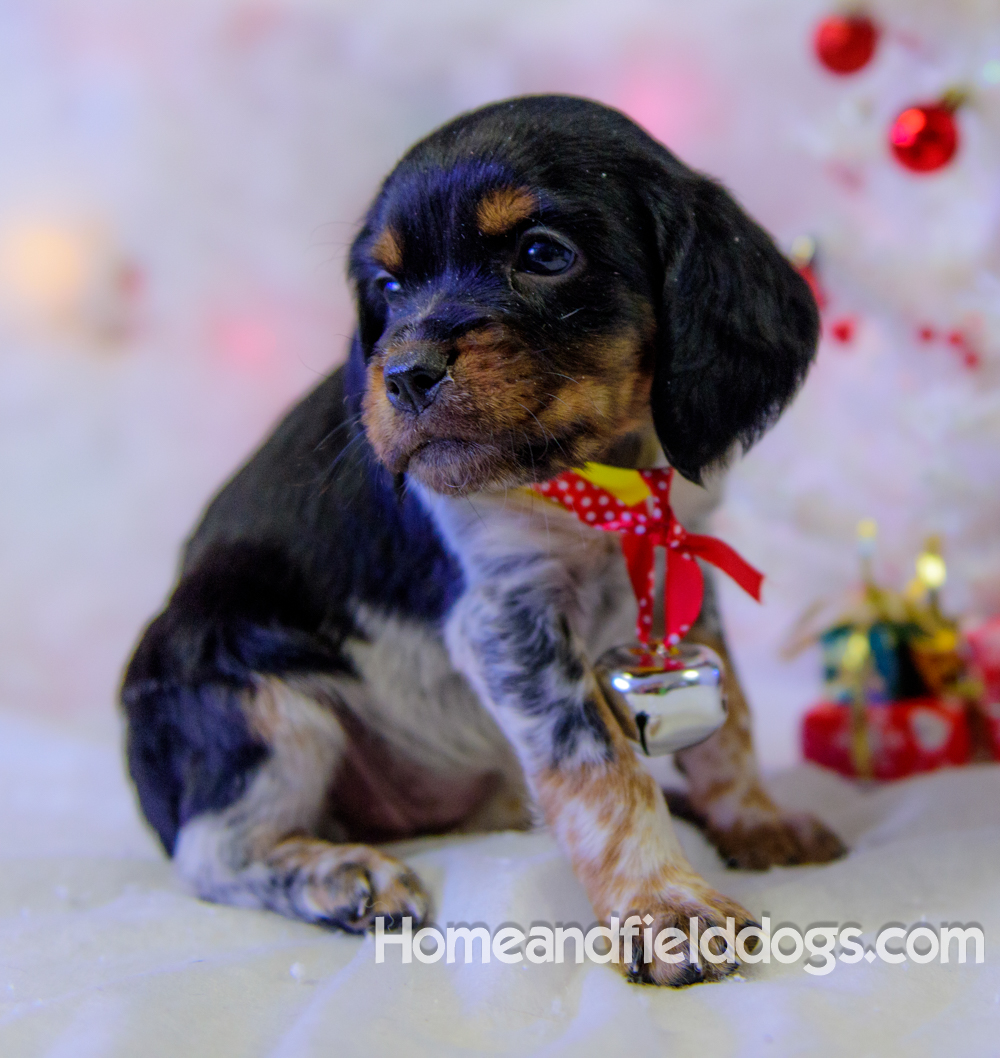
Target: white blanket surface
[[103, 953]]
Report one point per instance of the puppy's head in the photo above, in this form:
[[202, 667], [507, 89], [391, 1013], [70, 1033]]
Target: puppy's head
[[538, 279]]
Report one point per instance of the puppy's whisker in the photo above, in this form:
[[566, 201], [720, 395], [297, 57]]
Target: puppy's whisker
[[474, 510], [550, 437], [345, 425], [555, 396], [559, 445], [540, 427], [531, 454], [348, 449], [579, 383], [351, 449]]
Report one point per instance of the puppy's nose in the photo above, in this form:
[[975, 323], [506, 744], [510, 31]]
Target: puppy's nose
[[413, 379]]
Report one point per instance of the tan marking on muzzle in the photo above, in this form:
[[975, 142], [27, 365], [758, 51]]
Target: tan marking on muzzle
[[612, 398], [380, 418]]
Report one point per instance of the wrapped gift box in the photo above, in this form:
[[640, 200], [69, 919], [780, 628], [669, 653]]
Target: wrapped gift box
[[991, 714], [906, 689], [984, 651], [905, 737], [984, 661]]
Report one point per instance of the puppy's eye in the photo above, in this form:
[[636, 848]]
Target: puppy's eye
[[542, 255], [388, 284]]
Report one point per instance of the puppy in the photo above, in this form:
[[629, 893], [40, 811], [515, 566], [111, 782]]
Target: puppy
[[378, 633]]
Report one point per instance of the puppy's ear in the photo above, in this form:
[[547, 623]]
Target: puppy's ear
[[737, 327]]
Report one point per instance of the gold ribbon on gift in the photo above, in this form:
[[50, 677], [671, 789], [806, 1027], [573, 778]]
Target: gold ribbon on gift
[[854, 664]]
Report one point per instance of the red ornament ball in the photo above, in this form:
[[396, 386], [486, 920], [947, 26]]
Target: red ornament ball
[[845, 43], [843, 330], [923, 138]]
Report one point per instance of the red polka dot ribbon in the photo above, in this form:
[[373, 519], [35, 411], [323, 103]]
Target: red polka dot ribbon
[[643, 526]]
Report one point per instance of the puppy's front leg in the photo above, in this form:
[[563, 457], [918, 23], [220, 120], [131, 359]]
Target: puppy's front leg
[[511, 635]]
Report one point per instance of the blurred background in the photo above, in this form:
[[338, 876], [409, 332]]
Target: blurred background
[[180, 180]]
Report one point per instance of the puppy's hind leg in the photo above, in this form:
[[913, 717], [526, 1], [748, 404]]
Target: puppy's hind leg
[[725, 794], [263, 850]]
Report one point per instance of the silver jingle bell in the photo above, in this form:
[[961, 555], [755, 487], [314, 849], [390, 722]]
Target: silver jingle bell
[[666, 698]]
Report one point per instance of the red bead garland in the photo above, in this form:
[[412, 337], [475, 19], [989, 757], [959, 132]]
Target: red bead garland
[[925, 137], [845, 43]]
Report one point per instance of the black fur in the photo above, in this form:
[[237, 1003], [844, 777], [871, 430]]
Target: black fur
[[189, 751], [313, 527], [737, 330], [309, 529]]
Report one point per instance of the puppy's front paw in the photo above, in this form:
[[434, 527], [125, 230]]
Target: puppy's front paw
[[784, 841], [676, 907]]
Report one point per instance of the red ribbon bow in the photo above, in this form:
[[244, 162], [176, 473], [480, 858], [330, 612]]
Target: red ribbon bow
[[643, 527]]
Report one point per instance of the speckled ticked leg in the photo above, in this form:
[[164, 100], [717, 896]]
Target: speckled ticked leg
[[513, 639]]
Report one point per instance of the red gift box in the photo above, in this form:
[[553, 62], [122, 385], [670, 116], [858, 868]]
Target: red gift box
[[990, 711], [984, 657], [905, 737], [984, 651]]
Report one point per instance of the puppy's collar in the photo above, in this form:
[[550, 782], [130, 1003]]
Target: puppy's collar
[[628, 486], [636, 505]]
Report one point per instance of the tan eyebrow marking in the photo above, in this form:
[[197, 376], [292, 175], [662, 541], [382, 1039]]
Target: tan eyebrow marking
[[387, 250], [502, 208]]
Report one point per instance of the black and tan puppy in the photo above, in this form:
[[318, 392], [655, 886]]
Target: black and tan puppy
[[377, 633]]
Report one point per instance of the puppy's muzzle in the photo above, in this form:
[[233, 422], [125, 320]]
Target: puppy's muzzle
[[413, 379]]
